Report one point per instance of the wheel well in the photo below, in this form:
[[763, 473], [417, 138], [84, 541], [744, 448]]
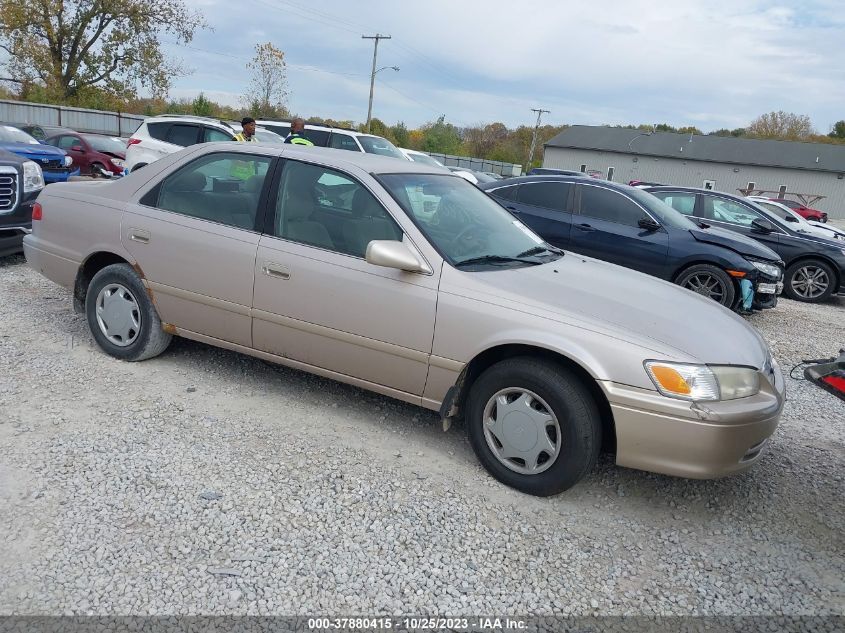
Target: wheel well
[[689, 265], [821, 258], [493, 355], [94, 264]]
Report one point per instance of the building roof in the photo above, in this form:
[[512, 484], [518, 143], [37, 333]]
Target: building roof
[[719, 149]]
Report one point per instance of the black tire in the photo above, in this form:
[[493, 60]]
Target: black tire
[[697, 279], [796, 284], [94, 167], [149, 340], [574, 408]]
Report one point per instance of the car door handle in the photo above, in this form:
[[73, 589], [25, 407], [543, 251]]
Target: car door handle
[[276, 270], [139, 235], [584, 227]]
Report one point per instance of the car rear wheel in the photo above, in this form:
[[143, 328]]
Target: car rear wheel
[[96, 168], [709, 281], [533, 425], [121, 315], [810, 280]]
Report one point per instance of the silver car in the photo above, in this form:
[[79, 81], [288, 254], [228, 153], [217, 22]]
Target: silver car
[[410, 282]]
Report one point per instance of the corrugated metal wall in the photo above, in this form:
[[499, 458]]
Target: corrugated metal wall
[[727, 177], [478, 164], [80, 119]]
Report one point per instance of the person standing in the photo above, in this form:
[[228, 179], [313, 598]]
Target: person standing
[[297, 127], [248, 133]]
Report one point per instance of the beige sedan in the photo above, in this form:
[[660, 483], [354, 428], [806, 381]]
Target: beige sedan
[[412, 283]]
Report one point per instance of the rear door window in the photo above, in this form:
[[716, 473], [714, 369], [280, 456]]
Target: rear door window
[[158, 130], [682, 202], [183, 134], [548, 195], [213, 135]]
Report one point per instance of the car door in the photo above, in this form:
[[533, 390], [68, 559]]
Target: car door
[[75, 148], [607, 227], [737, 217], [547, 208], [319, 302], [194, 238]]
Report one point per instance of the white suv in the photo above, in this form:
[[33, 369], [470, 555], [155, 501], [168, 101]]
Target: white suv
[[162, 135], [339, 138]]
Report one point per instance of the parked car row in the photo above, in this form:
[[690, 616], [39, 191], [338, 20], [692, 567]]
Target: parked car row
[[407, 280], [55, 163]]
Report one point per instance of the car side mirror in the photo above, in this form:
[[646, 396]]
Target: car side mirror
[[77, 148], [791, 218], [394, 254], [648, 224], [762, 226]]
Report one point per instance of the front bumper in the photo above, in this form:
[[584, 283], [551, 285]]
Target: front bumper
[[767, 289], [702, 441], [14, 225], [59, 174]]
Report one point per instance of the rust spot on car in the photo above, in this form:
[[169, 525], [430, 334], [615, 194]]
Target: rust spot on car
[[169, 328], [137, 268]]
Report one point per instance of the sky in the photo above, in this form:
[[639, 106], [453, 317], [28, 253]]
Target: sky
[[712, 64]]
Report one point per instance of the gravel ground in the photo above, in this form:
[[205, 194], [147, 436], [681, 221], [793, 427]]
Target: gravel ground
[[206, 482]]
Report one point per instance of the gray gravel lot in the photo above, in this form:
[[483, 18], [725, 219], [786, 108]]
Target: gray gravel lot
[[208, 482]]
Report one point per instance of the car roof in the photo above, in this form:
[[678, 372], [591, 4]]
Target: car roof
[[188, 117], [372, 163], [504, 182]]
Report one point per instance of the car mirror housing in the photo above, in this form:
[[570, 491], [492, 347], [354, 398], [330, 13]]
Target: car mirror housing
[[648, 224], [761, 225], [394, 254]]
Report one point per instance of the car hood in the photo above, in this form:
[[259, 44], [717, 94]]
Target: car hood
[[32, 151], [735, 241], [623, 303]]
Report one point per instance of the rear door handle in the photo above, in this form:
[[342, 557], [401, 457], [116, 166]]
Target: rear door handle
[[584, 227], [277, 271], [139, 235]]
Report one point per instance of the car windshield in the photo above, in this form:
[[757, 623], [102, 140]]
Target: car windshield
[[9, 134], [107, 144], [466, 226], [665, 214], [425, 159], [266, 136], [379, 145]]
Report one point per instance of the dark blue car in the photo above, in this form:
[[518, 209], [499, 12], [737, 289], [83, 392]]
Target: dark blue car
[[632, 228], [54, 162]]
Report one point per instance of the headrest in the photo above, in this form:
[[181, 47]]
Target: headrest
[[193, 181], [253, 184], [364, 205]]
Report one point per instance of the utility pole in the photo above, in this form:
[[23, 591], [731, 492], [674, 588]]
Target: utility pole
[[375, 37], [534, 136]]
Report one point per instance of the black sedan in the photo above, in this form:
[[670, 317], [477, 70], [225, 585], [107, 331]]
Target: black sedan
[[626, 226], [815, 266]]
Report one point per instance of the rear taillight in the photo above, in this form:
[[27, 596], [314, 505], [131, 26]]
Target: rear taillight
[[37, 211], [133, 141]]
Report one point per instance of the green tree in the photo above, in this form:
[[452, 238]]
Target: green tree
[[67, 46], [202, 106], [400, 134], [838, 130], [689, 129], [781, 125], [441, 137]]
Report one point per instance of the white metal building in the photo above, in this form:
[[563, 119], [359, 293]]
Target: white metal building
[[803, 171]]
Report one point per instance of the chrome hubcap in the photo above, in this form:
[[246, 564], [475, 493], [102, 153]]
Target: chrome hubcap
[[522, 431], [706, 285], [118, 315], [810, 282]]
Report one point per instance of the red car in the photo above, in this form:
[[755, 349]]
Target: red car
[[92, 152], [805, 212]]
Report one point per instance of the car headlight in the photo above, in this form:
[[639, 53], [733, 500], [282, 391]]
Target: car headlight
[[68, 161], [703, 383], [33, 177], [766, 269], [116, 162]]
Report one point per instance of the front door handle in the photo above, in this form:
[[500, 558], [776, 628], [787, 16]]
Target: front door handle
[[584, 227], [139, 235], [271, 269]]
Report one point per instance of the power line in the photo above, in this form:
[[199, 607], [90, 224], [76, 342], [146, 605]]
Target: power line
[[410, 98]]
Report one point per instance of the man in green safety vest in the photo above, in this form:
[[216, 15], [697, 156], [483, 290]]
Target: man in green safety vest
[[244, 169], [248, 133], [297, 126]]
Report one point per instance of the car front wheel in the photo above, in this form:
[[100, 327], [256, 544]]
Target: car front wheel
[[709, 281], [121, 315], [810, 280], [533, 425]]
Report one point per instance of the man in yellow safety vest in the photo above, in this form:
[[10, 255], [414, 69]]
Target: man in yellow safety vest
[[248, 133], [297, 127]]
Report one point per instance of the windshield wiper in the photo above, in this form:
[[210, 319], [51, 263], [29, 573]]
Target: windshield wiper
[[495, 259], [537, 250]]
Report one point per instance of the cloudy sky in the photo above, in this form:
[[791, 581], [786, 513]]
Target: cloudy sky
[[710, 64]]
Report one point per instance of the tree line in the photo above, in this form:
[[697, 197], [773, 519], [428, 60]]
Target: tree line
[[101, 54]]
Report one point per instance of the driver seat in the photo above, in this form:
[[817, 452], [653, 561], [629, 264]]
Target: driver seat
[[369, 222]]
